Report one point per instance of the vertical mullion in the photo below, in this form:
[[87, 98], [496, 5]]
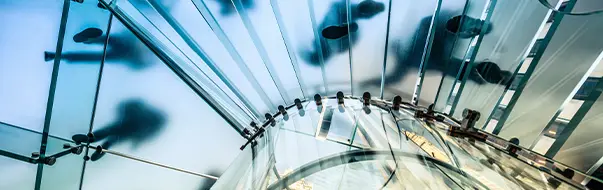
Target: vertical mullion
[[51, 92], [384, 65]]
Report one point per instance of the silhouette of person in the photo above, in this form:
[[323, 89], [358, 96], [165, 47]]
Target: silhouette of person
[[336, 34], [137, 122], [227, 6], [121, 47], [440, 56]]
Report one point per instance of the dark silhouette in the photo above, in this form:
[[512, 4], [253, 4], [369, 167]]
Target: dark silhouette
[[121, 48], [227, 7], [440, 58], [137, 122], [335, 36]]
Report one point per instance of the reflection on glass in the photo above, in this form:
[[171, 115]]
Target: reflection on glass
[[576, 41], [499, 54]]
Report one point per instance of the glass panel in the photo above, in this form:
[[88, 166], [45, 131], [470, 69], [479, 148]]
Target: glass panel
[[114, 172], [66, 172], [454, 48], [576, 41], [296, 23], [18, 140], [149, 112], [263, 20], [333, 51], [368, 45], [581, 149], [245, 51], [514, 27], [409, 25], [145, 21], [85, 37], [29, 29], [16, 174]]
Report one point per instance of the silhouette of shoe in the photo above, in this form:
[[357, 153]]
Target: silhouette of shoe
[[49, 56], [491, 73], [336, 32], [98, 154], [79, 138], [87, 35], [471, 26], [369, 8]]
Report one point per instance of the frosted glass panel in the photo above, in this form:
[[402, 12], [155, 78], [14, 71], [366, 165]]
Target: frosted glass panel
[[28, 29], [114, 172], [452, 48], [239, 36], [368, 48], [66, 172], [576, 41], [297, 25], [264, 22], [409, 25], [18, 140], [17, 175], [148, 113], [514, 26], [85, 37]]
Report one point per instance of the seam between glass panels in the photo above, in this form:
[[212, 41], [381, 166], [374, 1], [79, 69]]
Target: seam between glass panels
[[285, 36], [98, 86], [384, 65], [255, 38], [318, 41], [456, 37], [51, 92], [219, 32], [489, 12], [253, 114], [349, 19], [535, 60], [426, 53]]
